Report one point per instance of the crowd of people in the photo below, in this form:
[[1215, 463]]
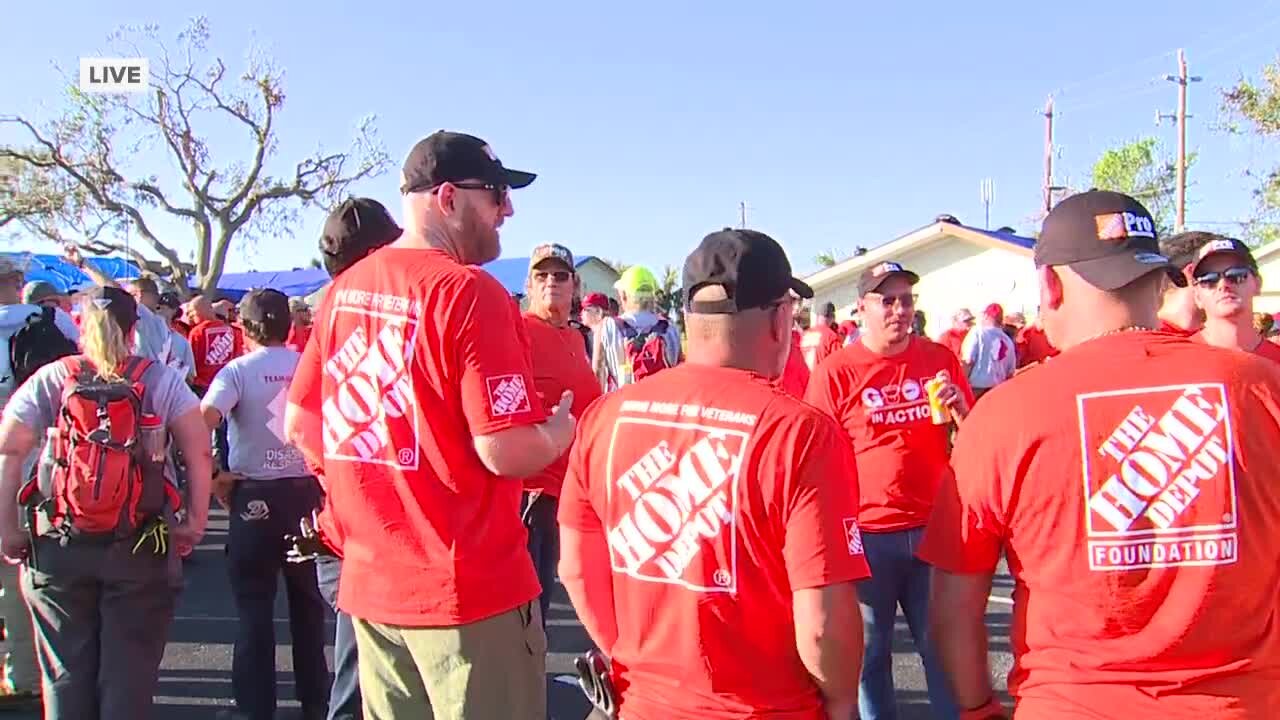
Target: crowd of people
[[737, 501]]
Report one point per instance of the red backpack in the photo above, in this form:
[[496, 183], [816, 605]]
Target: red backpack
[[646, 350], [102, 486]]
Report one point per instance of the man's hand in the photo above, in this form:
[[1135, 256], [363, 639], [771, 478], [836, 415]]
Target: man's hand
[[953, 398], [73, 255], [560, 425], [223, 484], [308, 544]]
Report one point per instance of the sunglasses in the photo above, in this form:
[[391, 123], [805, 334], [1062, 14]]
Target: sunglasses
[[561, 276], [1233, 276], [499, 191], [906, 300]]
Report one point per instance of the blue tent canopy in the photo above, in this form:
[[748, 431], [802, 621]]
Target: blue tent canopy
[[63, 275], [512, 272], [294, 283]]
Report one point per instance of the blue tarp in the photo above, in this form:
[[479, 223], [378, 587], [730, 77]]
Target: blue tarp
[[512, 272], [294, 283], [65, 276]]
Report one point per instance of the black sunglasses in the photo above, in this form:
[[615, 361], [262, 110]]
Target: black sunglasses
[[562, 276], [1234, 276], [499, 191], [907, 300]]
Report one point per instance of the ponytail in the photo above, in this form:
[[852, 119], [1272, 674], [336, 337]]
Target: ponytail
[[102, 341]]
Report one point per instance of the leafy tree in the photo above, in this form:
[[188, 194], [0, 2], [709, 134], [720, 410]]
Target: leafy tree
[[826, 259], [1254, 106], [74, 179], [1141, 170]]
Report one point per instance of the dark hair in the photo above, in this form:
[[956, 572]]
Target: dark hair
[[1183, 247], [354, 229], [264, 323], [829, 311]]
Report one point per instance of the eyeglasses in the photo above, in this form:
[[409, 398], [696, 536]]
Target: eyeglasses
[[499, 191], [561, 276], [906, 300], [1233, 276]]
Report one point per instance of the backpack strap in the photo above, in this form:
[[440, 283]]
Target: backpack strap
[[134, 367]]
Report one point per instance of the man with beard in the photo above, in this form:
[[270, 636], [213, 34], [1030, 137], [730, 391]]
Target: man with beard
[[424, 413], [1226, 282], [877, 389]]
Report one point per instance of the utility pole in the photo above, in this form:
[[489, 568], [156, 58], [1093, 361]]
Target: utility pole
[[742, 212], [1048, 155], [987, 189], [1182, 79]]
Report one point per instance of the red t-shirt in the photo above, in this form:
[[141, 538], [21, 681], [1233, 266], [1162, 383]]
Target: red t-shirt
[[559, 363], [881, 402], [1033, 346], [412, 371], [818, 343], [795, 376], [298, 335], [1139, 509], [1268, 350], [953, 339], [718, 495], [214, 344], [1168, 327]]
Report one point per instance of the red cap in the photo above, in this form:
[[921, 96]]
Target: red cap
[[994, 312], [848, 327], [596, 300]]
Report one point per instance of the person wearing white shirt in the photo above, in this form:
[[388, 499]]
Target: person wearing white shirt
[[988, 355]]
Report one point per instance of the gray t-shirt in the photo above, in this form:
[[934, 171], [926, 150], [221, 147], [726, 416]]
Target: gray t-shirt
[[152, 336], [182, 358], [251, 392], [37, 403]]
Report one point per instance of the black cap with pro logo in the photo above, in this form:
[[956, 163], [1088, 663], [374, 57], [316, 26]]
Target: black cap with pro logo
[[751, 267], [876, 275], [1224, 246], [1108, 238], [444, 156]]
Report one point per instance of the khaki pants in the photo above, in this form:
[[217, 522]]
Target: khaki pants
[[493, 669], [20, 669]]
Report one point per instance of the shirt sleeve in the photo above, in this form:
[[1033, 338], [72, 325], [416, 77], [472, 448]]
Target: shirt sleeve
[[37, 402], [170, 395], [969, 346], [823, 544], [966, 531], [819, 392], [576, 510], [13, 317], [495, 376], [224, 391]]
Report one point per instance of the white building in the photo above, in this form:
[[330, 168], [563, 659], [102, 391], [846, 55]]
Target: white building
[[959, 266]]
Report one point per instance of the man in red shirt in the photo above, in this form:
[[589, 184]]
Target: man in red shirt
[[795, 375], [1133, 491], [953, 338], [1178, 312], [422, 413], [820, 340], [300, 330], [1032, 345], [1226, 281], [213, 342], [559, 364], [876, 389], [708, 518]]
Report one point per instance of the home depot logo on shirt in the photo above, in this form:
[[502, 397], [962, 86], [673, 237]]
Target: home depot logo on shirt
[[897, 403], [673, 508], [372, 408], [507, 395], [1159, 480], [220, 342]]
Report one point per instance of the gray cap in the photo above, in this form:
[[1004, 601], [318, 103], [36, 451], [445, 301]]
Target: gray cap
[[38, 291]]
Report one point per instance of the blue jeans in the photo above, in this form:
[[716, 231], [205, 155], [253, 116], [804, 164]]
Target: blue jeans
[[344, 699], [262, 512], [544, 543], [898, 579]]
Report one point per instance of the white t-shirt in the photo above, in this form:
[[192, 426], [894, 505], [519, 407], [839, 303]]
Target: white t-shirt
[[251, 392], [991, 356]]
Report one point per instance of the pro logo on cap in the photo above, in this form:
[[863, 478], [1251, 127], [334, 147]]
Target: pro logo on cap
[[1116, 227], [885, 268], [1217, 246]]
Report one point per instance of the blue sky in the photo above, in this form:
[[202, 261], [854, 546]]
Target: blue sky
[[838, 123]]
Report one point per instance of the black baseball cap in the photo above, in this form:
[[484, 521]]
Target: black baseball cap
[[117, 303], [444, 156], [269, 308], [357, 223], [1224, 246], [1107, 237], [876, 275], [751, 267]]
